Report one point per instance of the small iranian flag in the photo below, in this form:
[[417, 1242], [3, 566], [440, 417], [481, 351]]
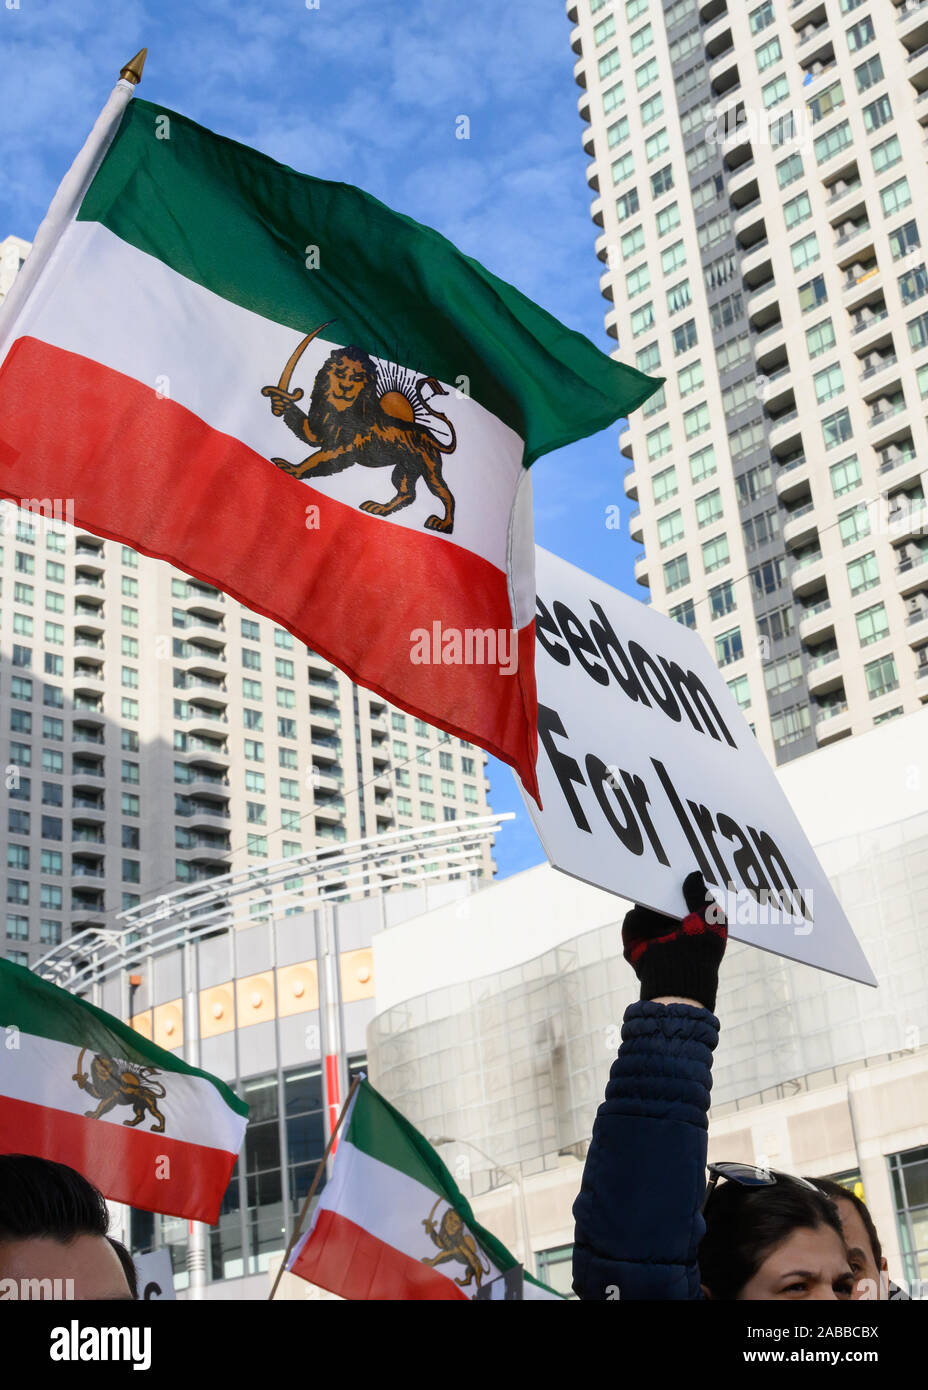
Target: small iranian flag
[[304, 398], [392, 1223], [79, 1087]]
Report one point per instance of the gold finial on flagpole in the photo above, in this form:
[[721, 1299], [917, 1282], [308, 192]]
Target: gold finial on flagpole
[[132, 72]]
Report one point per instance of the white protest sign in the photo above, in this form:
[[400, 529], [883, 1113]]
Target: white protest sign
[[155, 1275], [648, 770]]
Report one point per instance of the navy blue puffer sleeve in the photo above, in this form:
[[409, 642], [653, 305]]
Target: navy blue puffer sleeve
[[638, 1221]]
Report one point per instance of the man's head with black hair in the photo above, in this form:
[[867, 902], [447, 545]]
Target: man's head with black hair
[[53, 1226], [871, 1278]]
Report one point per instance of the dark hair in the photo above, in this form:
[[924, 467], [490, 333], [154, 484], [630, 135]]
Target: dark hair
[[835, 1190], [744, 1224], [41, 1198]]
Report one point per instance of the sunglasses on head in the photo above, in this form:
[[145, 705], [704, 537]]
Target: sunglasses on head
[[748, 1175]]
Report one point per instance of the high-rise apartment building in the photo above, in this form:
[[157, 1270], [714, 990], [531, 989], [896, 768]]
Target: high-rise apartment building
[[760, 172], [155, 732]]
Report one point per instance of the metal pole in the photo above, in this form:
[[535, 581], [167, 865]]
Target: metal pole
[[196, 1231]]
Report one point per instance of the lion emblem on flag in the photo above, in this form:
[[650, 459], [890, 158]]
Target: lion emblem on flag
[[114, 1083], [371, 414], [454, 1242]]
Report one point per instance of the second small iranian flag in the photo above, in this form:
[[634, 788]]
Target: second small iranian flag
[[310, 401]]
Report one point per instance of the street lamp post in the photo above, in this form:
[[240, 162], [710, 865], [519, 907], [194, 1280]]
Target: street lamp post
[[514, 1178]]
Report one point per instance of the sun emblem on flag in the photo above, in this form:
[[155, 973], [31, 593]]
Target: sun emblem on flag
[[114, 1083], [455, 1242], [372, 413]]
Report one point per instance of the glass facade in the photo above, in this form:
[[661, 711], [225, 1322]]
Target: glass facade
[[909, 1174]]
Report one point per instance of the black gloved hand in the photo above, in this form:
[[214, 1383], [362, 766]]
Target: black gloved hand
[[670, 956]]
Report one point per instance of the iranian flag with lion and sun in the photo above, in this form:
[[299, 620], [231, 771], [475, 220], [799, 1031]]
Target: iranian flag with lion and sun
[[312, 402]]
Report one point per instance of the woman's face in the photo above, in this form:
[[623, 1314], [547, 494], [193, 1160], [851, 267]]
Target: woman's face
[[810, 1263]]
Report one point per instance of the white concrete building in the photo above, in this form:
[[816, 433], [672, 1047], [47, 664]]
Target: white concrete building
[[758, 173], [498, 1017]]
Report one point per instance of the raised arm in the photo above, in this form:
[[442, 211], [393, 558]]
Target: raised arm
[[638, 1220]]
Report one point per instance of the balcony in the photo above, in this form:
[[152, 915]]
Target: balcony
[[580, 73], [748, 224], [776, 390], [862, 286], [917, 68], [203, 781], [87, 834], [576, 34], [625, 443], [880, 373], [716, 35], [800, 526], [763, 306], [845, 196], [325, 691], [889, 423], [611, 324], [605, 286], [792, 478], [901, 460], [630, 483], [824, 672], [332, 809], [83, 734], [636, 527], [742, 183], [723, 71], [785, 432], [325, 747], [808, 574], [641, 570], [817, 622], [832, 722], [912, 571], [201, 750], [770, 348], [88, 806]]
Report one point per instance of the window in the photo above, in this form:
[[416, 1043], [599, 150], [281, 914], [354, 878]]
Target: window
[[886, 154], [783, 674], [632, 242], [654, 403], [872, 624], [659, 442], [728, 647], [760, 529], [828, 382], [254, 750], [712, 231], [722, 599], [913, 284], [804, 252], [768, 54], [909, 1174], [637, 280], [25, 563], [845, 476], [863, 573], [782, 128], [702, 464], [869, 73], [761, 17], [796, 210], [403, 806], [617, 132], [21, 721], [21, 688], [918, 338], [747, 439], [812, 294], [667, 219], [690, 379], [642, 38], [670, 529], [881, 676], [129, 617], [820, 338], [828, 145], [284, 668], [684, 337], [604, 30], [633, 9], [904, 239], [662, 181], [49, 932], [685, 613], [715, 553], [877, 114], [643, 319], [860, 34], [657, 144], [613, 97], [708, 508], [23, 625], [286, 757], [253, 719], [648, 359], [720, 271], [676, 573], [664, 484], [608, 63], [52, 728], [646, 74], [854, 524], [51, 861], [791, 724], [825, 103], [754, 483], [696, 420], [130, 804], [627, 205], [251, 659], [777, 624], [257, 845], [836, 428], [623, 168], [725, 311], [776, 91]]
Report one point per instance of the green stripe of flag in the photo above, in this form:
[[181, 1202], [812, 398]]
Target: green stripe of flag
[[239, 224], [36, 1006]]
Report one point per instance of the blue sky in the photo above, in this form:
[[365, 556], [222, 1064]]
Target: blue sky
[[367, 91]]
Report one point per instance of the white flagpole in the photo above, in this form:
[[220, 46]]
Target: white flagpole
[[68, 199]]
